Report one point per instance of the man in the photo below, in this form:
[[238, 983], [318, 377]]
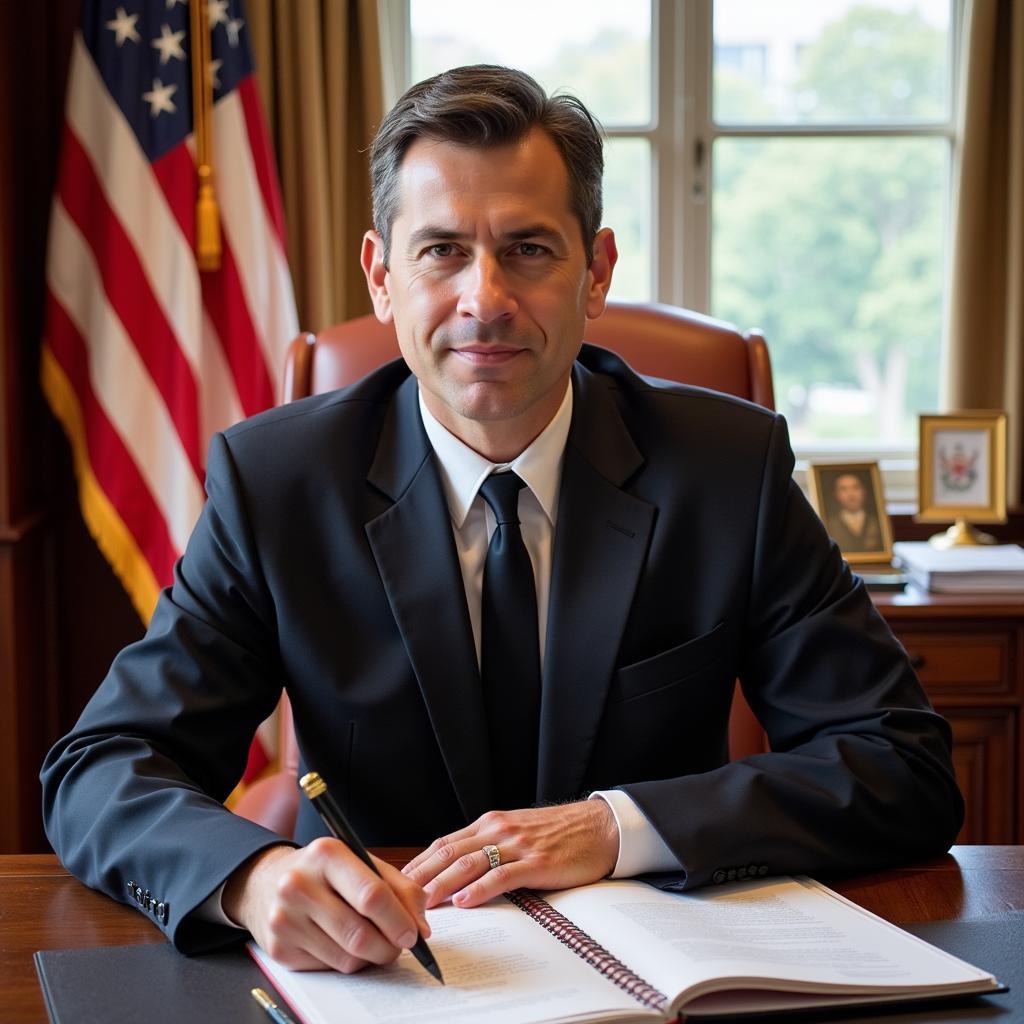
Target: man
[[344, 551], [851, 524]]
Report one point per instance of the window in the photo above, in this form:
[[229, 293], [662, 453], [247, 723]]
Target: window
[[783, 165]]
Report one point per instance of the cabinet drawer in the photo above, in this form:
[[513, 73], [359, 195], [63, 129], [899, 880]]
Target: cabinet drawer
[[975, 662]]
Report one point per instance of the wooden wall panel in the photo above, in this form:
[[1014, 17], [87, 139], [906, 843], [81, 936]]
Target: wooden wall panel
[[62, 613]]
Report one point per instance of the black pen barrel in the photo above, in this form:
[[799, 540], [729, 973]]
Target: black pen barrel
[[330, 813]]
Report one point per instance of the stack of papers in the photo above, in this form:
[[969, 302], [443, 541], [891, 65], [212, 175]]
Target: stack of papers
[[998, 568]]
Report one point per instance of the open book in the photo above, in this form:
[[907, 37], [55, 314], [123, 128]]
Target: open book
[[623, 951]]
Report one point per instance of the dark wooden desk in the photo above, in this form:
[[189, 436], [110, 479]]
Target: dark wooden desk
[[968, 650], [42, 907]]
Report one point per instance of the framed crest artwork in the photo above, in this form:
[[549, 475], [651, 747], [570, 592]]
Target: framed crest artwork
[[962, 468], [849, 499]]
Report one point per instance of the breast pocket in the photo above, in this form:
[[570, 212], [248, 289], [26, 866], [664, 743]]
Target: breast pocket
[[669, 668]]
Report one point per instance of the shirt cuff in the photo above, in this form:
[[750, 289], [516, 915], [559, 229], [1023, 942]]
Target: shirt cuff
[[641, 848], [212, 909]]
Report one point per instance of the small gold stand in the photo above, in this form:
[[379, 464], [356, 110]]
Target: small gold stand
[[960, 534]]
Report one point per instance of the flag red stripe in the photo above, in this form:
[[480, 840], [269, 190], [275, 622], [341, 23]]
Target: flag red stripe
[[130, 295], [111, 462], [223, 297], [262, 154]]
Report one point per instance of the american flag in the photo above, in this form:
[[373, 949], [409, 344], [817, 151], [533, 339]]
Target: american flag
[[145, 357]]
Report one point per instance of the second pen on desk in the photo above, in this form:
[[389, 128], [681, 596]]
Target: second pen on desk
[[316, 790]]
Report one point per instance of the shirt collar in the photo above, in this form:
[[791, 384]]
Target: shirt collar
[[463, 470]]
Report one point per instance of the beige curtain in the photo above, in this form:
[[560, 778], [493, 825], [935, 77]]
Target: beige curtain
[[319, 69], [986, 343]]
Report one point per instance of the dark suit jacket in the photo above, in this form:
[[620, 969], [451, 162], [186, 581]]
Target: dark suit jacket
[[684, 557]]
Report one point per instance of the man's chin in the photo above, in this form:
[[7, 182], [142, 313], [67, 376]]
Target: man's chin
[[488, 401]]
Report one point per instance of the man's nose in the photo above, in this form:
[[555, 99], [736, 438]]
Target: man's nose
[[485, 292]]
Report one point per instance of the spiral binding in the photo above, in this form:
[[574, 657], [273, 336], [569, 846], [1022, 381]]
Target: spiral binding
[[584, 946]]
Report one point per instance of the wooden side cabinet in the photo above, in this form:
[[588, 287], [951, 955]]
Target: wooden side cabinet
[[968, 651]]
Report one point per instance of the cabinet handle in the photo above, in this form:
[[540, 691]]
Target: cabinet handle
[[916, 661]]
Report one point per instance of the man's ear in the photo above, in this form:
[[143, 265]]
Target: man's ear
[[606, 255], [371, 259]]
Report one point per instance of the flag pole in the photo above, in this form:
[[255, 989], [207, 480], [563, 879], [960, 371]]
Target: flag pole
[[208, 249]]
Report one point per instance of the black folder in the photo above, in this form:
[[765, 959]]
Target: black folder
[[154, 984]]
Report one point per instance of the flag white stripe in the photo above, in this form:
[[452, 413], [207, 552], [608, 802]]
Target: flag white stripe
[[262, 267], [137, 200], [219, 406], [120, 380]]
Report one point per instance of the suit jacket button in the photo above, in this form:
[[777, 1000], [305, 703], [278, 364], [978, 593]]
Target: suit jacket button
[[752, 871], [718, 877], [732, 875], [763, 870], [741, 873]]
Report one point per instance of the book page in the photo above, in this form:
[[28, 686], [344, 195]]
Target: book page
[[771, 933], [499, 965]]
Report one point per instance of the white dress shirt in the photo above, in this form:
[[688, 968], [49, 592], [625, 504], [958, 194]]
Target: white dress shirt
[[462, 472]]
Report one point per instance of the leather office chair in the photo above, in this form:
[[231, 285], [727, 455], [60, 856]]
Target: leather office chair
[[657, 340]]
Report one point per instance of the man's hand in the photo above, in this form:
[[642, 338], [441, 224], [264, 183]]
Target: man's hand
[[541, 848], [321, 906]]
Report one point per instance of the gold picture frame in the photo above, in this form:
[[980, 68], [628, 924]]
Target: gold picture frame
[[962, 467], [850, 501]]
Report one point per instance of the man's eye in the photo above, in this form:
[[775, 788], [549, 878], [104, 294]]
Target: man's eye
[[530, 249], [442, 250]]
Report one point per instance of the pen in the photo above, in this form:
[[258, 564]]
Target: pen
[[274, 1012], [316, 790]]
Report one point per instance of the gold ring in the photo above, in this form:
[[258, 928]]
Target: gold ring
[[493, 856]]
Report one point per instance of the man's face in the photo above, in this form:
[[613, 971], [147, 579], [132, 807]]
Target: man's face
[[489, 285], [849, 493]]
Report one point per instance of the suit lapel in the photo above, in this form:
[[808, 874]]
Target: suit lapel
[[415, 553], [600, 545]]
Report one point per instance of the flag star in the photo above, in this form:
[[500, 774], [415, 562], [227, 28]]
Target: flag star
[[233, 28], [218, 10], [169, 44], [159, 98], [212, 68], [123, 26]]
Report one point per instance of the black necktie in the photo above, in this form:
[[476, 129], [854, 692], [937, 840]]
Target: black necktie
[[509, 648]]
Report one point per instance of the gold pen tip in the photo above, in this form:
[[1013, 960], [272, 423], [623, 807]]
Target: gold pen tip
[[262, 998], [312, 785]]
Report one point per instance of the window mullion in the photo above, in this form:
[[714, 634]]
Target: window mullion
[[694, 57]]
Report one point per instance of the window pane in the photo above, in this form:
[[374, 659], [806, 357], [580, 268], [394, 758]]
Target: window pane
[[835, 247], [831, 61], [598, 50], [627, 210]]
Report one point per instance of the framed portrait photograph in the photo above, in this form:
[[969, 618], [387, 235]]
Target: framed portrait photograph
[[962, 468], [849, 499]]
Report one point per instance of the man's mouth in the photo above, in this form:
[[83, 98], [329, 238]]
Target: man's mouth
[[487, 355]]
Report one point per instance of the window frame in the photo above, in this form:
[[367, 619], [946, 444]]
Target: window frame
[[682, 134]]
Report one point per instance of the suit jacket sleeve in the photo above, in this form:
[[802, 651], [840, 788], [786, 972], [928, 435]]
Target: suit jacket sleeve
[[164, 739], [859, 773]]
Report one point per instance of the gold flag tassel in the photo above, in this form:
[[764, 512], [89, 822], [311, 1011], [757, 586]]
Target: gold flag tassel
[[207, 213]]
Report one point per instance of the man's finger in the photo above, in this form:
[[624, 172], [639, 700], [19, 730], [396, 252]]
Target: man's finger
[[441, 859], [468, 867], [438, 844], [409, 892], [324, 938], [372, 897], [503, 878]]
